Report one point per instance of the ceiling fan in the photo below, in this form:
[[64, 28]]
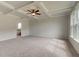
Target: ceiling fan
[[34, 12]]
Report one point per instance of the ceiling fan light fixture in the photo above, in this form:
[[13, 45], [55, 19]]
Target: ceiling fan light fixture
[[33, 14], [34, 11]]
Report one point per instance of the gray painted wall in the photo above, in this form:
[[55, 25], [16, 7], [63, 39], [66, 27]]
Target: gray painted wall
[[8, 26], [56, 27]]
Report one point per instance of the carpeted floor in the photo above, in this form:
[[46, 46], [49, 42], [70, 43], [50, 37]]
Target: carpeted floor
[[36, 47]]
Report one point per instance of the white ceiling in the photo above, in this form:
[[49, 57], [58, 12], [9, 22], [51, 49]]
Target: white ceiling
[[47, 8]]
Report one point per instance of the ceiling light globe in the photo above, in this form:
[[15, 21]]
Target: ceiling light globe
[[33, 14]]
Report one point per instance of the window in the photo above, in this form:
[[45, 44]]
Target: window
[[74, 24], [19, 25], [19, 29]]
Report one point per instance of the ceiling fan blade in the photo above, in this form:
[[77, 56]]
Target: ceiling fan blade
[[37, 11], [28, 13], [33, 11], [29, 10]]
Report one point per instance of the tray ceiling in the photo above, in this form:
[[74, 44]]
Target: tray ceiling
[[48, 9]]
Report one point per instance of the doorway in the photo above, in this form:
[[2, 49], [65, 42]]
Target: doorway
[[19, 29]]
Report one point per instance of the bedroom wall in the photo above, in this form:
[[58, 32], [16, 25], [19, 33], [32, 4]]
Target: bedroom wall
[[8, 26], [56, 27]]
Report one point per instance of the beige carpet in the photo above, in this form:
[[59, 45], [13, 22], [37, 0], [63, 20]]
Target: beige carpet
[[36, 47]]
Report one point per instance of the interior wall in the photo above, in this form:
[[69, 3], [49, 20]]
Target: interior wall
[[56, 27], [8, 26]]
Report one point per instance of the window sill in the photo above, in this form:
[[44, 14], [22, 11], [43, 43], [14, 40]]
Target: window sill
[[77, 40]]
